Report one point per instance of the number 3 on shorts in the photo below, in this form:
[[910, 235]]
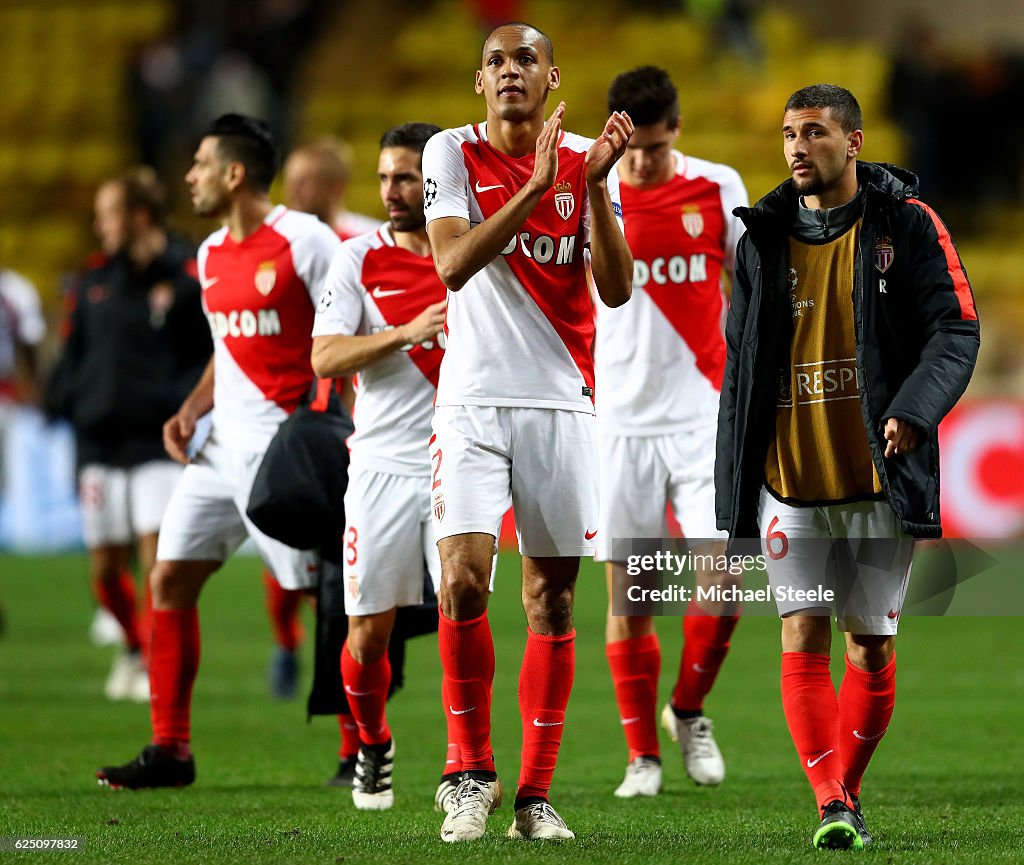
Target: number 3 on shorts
[[351, 554]]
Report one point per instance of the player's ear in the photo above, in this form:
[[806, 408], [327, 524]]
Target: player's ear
[[854, 142], [234, 175], [554, 78], [478, 84]]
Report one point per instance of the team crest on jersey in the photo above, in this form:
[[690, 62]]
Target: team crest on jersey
[[884, 254], [266, 277], [693, 221], [565, 204], [439, 507]]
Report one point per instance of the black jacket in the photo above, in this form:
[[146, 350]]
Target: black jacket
[[917, 342], [137, 344]]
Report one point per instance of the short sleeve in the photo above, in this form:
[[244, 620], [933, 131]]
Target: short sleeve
[[445, 183], [340, 308], [734, 194]]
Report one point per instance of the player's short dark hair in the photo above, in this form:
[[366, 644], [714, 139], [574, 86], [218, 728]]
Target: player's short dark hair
[[249, 141], [647, 95], [412, 135], [143, 191], [840, 101], [545, 40]]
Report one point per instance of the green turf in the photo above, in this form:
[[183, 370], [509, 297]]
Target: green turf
[[945, 786]]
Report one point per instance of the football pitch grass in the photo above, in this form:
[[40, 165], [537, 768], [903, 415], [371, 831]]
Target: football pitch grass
[[946, 784]]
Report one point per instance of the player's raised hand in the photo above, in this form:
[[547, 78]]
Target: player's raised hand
[[426, 325], [609, 146], [177, 434], [545, 166]]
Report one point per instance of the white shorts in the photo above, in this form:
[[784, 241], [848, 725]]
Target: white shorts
[[206, 521], [542, 462], [389, 542], [120, 504], [856, 550], [640, 475]]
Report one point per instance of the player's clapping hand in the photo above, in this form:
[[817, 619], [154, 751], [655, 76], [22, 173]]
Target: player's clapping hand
[[426, 325], [901, 437], [545, 165], [177, 434], [609, 146]]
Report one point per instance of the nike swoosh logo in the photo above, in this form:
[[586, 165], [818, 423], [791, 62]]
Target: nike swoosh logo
[[539, 723], [386, 292], [455, 711], [210, 283], [480, 188], [626, 721], [812, 763], [868, 738], [699, 669], [893, 614], [348, 690], [590, 535]]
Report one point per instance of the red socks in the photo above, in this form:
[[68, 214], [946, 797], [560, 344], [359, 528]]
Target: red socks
[[349, 736], [866, 701], [706, 643], [117, 595], [635, 664], [467, 658], [835, 738], [173, 664], [545, 682], [812, 714], [453, 755], [366, 686], [282, 607]]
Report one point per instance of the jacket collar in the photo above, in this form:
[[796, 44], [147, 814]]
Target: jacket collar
[[885, 186]]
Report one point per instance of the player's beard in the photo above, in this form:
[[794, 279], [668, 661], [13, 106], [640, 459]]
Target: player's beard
[[212, 205], [411, 220]]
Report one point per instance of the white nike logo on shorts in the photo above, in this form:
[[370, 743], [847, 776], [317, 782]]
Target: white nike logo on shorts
[[455, 711], [537, 722]]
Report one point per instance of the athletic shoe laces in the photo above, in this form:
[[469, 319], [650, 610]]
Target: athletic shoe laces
[[701, 741], [542, 812], [470, 796]]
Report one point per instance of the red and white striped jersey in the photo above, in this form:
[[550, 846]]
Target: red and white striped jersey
[[660, 357], [259, 296], [520, 332], [375, 285]]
